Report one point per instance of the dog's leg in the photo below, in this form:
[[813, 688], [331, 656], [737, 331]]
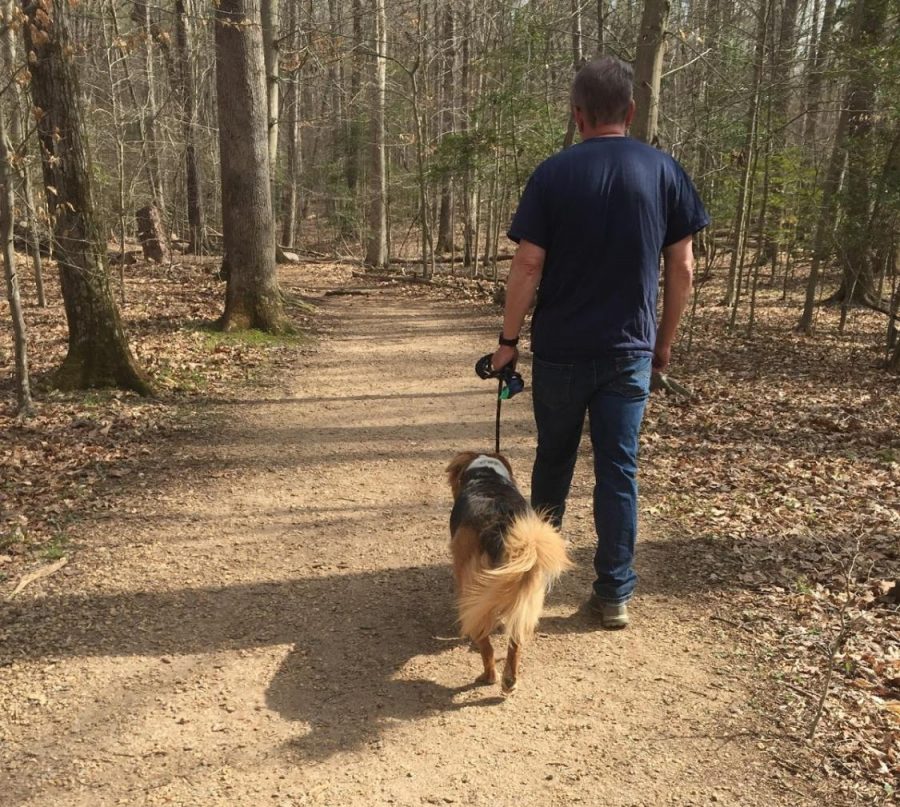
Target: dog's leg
[[489, 676], [511, 668]]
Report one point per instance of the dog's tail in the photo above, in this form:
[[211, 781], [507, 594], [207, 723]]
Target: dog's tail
[[513, 593]]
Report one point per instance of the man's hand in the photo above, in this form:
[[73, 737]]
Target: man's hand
[[504, 355], [662, 355]]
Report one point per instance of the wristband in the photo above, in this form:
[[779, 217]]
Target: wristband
[[508, 342]]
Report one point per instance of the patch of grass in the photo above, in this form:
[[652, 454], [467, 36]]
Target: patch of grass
[[802, 585], [183, 379], [252, 338], [56, 548], [11, 538]]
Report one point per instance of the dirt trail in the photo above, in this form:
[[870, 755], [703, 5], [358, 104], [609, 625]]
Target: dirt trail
[[276, 627]]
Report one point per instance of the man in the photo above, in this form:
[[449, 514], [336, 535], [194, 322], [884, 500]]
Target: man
[[591, 225]]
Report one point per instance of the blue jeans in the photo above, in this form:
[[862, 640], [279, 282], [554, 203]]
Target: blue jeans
[[613, 390]]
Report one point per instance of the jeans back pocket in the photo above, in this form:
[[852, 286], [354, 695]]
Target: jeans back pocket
[[552, 384]]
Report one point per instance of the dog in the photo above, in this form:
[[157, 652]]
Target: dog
[[505, 557]]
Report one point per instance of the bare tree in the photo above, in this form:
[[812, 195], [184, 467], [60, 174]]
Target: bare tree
[[252, 298], [651, 49], [98, 352], [376, 249], [186, 87], [19, 145], [7, 206], [271, 48]]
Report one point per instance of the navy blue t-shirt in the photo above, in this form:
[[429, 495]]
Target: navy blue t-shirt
[[603, 210]]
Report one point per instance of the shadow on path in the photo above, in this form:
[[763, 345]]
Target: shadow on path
[[350, 636]]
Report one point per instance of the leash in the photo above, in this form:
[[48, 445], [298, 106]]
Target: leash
[[509, 383], [497, 429]]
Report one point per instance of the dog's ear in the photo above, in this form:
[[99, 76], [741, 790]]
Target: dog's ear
[[456, 467], [506, 463]]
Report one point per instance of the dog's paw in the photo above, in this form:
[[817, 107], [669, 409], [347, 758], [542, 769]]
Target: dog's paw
[[508, 686], [487, 678]]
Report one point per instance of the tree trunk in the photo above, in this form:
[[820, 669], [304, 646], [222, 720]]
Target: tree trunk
[[651, 48], [815, 79], [354, 123], [152, 235], [16, 132], [252, 298], [601, 19], [376, 251], [469, 192], [577, 61], [742, 213], [825, 225], [141, 15], [858, 284], [7, 207], [270, 25], [445, 234], [294, 140], [186, 84], [98, 352], [782, 69]]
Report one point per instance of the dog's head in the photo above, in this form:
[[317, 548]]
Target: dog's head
[[463, 460]]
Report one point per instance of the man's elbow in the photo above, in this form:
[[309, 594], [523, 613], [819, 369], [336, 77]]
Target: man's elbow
[[528, 262], [681, 271]]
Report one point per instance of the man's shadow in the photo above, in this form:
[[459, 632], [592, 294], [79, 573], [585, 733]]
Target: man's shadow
[[351, 636], [360, 641]]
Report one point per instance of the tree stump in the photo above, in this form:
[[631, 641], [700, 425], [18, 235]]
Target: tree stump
[[152, 235]]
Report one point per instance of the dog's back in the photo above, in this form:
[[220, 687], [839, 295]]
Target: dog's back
[[486, 504], [504, 554]]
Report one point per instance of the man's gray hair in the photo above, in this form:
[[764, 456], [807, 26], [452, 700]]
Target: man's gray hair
[[602, 90]]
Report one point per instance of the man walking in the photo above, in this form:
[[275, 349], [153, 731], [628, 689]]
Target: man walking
[[591, 225]]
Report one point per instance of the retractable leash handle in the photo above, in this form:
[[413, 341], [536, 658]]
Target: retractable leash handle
[[509, 383]]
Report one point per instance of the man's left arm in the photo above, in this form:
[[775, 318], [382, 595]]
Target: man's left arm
[[521, 285]]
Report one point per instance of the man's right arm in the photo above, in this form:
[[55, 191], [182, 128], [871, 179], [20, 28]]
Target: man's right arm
[[678, 277]]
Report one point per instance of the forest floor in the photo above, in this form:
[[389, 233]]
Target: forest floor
[[256, 606]]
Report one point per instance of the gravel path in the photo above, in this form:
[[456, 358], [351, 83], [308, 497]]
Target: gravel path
[[275, 624]]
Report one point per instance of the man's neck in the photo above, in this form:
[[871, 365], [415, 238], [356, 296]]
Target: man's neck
[[603, 131]]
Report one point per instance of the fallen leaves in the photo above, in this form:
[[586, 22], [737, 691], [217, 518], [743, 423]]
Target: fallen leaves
[[80, 448]]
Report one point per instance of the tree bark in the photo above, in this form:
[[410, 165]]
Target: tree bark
[[577, 61], [825, 225], [815, 79], [98, 353], [7, 207], [651, 49], [270, 25], [193, 178], [742, 213], [376, 250], [445, 235], [858, 284], [782, 69], [252, 298], [354, 122], [152, 235], [294, 140], [19, 144], [141, 15]]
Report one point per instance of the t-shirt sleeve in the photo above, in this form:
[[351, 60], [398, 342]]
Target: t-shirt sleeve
[[531, 221], [686, 214]]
